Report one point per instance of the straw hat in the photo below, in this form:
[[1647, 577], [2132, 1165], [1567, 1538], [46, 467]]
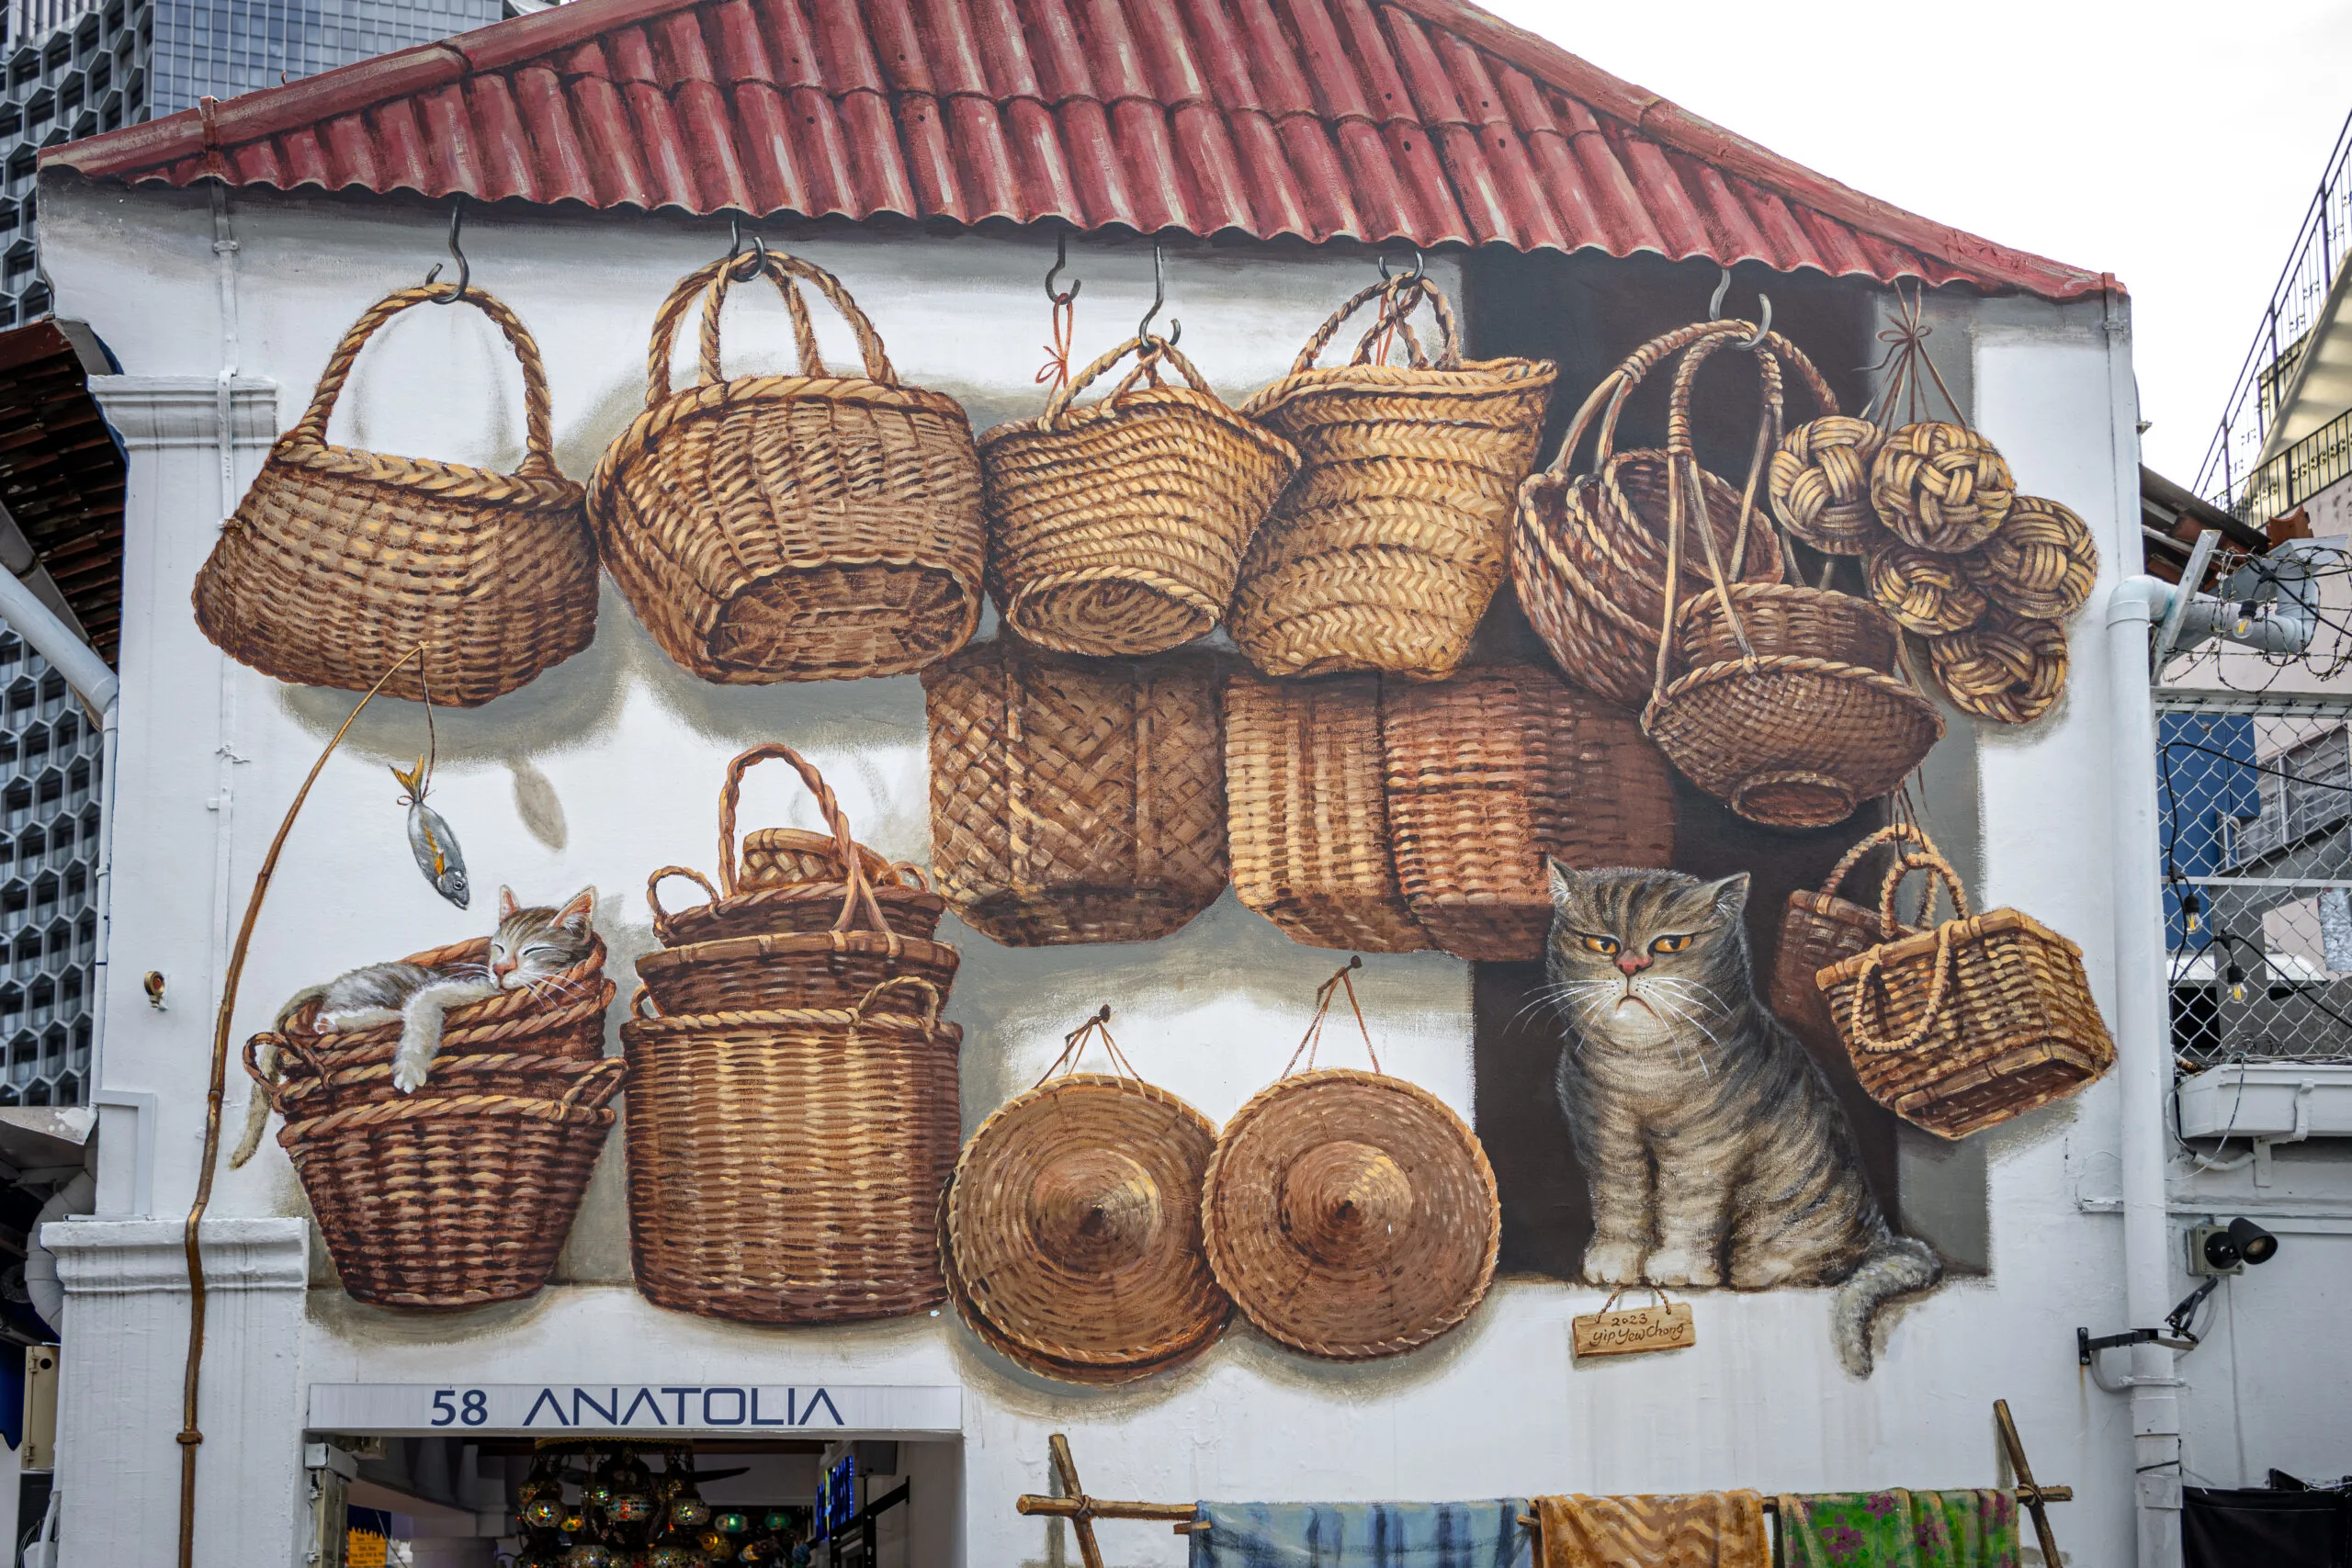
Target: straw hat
[[1073, 1227], [1351, 1215]]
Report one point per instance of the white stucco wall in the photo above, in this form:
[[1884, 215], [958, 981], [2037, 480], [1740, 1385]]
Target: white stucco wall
[[630, 752]]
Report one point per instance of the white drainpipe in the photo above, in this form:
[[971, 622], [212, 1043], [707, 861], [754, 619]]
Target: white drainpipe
[[2143, 1063]]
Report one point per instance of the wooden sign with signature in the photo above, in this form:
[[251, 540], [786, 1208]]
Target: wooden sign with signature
[[1662, 1326]]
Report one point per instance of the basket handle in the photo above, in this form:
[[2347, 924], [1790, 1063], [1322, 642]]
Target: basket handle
[[538, 426], [659, 877], [1149, 352], [637, 1000], [252, 1068], [605, 1079], [1898, 832], [1398, 298], [731, 793], [710, 282], [1096, 1026], [1937, 867], [1313, 1039], [1613, 391], [1939, 988], [932, 1003], [910, 874]]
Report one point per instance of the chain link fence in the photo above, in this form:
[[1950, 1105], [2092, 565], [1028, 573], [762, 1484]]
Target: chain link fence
[[2255, 806]]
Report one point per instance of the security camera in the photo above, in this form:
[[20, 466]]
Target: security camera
[[2227, 1249]]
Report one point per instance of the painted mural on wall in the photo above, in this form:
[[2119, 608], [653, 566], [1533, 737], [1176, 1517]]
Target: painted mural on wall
[[1631, 735]]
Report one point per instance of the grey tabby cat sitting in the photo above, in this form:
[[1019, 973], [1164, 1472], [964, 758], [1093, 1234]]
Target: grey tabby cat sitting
[[1714, 1149], [529, 951]]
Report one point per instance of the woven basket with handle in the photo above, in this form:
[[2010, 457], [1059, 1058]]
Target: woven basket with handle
[[803, 969], [1491, 770], [339, 562], [1384, 553], [788, 1166], [1792, 735], [1818, 930], [789, 879], [1591, 556], [455, 1199], [1966, 1026], [1307, 795], [1117, 528], [808, 527], [1076, 800]]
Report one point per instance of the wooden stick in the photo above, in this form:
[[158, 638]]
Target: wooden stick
[[1102, 1508], [2033, 1497]]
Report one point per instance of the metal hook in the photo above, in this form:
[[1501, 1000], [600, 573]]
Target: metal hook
[[1158, 298], [1061, 260], [735, 248], [1420, 266], [465, 268], [1764, 303], [1715, 302]]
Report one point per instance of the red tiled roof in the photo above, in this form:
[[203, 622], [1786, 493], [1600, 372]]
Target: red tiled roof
[[1426, 120]]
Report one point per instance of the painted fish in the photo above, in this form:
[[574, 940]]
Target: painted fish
[[430, 840]]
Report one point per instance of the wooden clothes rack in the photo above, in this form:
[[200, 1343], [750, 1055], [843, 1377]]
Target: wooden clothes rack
[[1082, 1510]]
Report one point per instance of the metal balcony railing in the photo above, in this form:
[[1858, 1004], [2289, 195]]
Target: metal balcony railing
[[2228, 475], [2304, 469]]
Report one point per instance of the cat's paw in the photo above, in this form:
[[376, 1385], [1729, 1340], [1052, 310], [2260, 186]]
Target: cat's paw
[[327, 1023], [1613, 1263], [408, 1075], [1681, 1266]]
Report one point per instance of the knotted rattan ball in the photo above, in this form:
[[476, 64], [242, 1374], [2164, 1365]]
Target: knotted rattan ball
[[2005, 669], [1940, 486], [1926, 591], [2041, 564], [1819, 483]]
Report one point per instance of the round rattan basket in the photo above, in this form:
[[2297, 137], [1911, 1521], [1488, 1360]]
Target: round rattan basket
[[1074, 1225], [2006, 669], [814, 969], [1117, 528], [790, 880], [788, 1166], [1349, 1214], [1590, 554], [339, 561], [2041, 563], [455, 1199], [808, 527], [1386, 549]]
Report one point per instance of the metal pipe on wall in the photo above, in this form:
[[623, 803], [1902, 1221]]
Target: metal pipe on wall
[[2143, 1061]]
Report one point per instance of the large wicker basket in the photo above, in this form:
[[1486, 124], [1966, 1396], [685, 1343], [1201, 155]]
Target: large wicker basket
[[1384, 551], [1117, 528], [1306, 791], [1590, 555], [808, 527], [1963, 1027], [788, 1167], [1819, 929], [790, 879], [1076, 800], [340, 562], [455, 1199], [1490, 771]]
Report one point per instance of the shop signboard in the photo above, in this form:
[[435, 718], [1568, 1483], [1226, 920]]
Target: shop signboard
[[582, 1407]]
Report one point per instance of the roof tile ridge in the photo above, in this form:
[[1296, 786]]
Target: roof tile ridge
[[1660, 116]]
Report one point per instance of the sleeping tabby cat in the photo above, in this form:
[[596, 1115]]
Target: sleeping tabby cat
[[1714, 1149], [529, 951]]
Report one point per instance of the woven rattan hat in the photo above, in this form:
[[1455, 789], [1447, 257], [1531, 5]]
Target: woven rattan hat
[[1351, 1215], [1073, 1229]]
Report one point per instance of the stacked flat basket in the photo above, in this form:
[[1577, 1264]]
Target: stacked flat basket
[[340, 562], [804, 527], [463, 1192], [798, 1116]]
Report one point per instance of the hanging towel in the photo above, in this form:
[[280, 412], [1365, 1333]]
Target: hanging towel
[[1901, 1529], [1362, 1535], [1701, 1530]]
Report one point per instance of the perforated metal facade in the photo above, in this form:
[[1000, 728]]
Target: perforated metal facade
[[49, 856]]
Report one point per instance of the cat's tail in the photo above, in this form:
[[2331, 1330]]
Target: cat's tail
[[257, 1107], [1896, 1266]]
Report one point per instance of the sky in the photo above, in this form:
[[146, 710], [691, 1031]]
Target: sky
[[2175, 145]]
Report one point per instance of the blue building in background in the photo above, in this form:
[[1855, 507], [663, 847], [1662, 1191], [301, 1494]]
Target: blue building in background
[[2206, 774]]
